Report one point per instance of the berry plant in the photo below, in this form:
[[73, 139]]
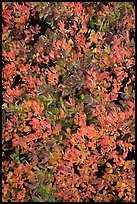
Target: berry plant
[[68, 102]]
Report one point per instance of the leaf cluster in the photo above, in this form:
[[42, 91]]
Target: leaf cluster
[[68, 109]]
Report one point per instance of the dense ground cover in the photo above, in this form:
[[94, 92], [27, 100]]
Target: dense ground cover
[[68, 109]]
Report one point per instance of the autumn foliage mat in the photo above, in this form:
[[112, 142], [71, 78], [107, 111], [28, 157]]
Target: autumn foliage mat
[[68, 109]]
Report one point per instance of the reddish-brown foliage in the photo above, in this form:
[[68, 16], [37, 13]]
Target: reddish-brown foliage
[[68, 111]]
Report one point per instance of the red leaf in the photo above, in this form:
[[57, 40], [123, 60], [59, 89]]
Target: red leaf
[[131, 104], [92, 189], [66, 46], [106, 9], [34, 122], [91, 10], [6, 14], [61, 27], [78, 8], [106, 97], [103, 75], [71, 104], [113, 96], [75, 25], [101, 185], [51, 55], [125, 153]]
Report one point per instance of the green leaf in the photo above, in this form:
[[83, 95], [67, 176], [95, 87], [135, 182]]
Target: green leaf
[[41, 15], [17, 151], [91, 23], [36, 199], [55, 111], [125, 137], [16, 159], [4, 47], [82, 96], [8, 31], [53, 27], [62, 105], [22, 158], [104, 28], [93, 31], [41, 166], [108, 50], [43, 190], [99, 98], [13, 156]]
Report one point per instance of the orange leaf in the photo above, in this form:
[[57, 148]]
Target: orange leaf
[[9, 175], [80, 106], [57, 129], [53, 76], [62, 114], [44, 135], [72, 101], [23, 68], [26, 129]]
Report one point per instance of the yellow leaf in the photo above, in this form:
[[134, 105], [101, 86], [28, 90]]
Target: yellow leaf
[[96, 50], [121, 185], [110, 170], [128, 189], [120, 194], [70, 41], [9, 175], [4, 105], [99, 88], [50, 167]]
